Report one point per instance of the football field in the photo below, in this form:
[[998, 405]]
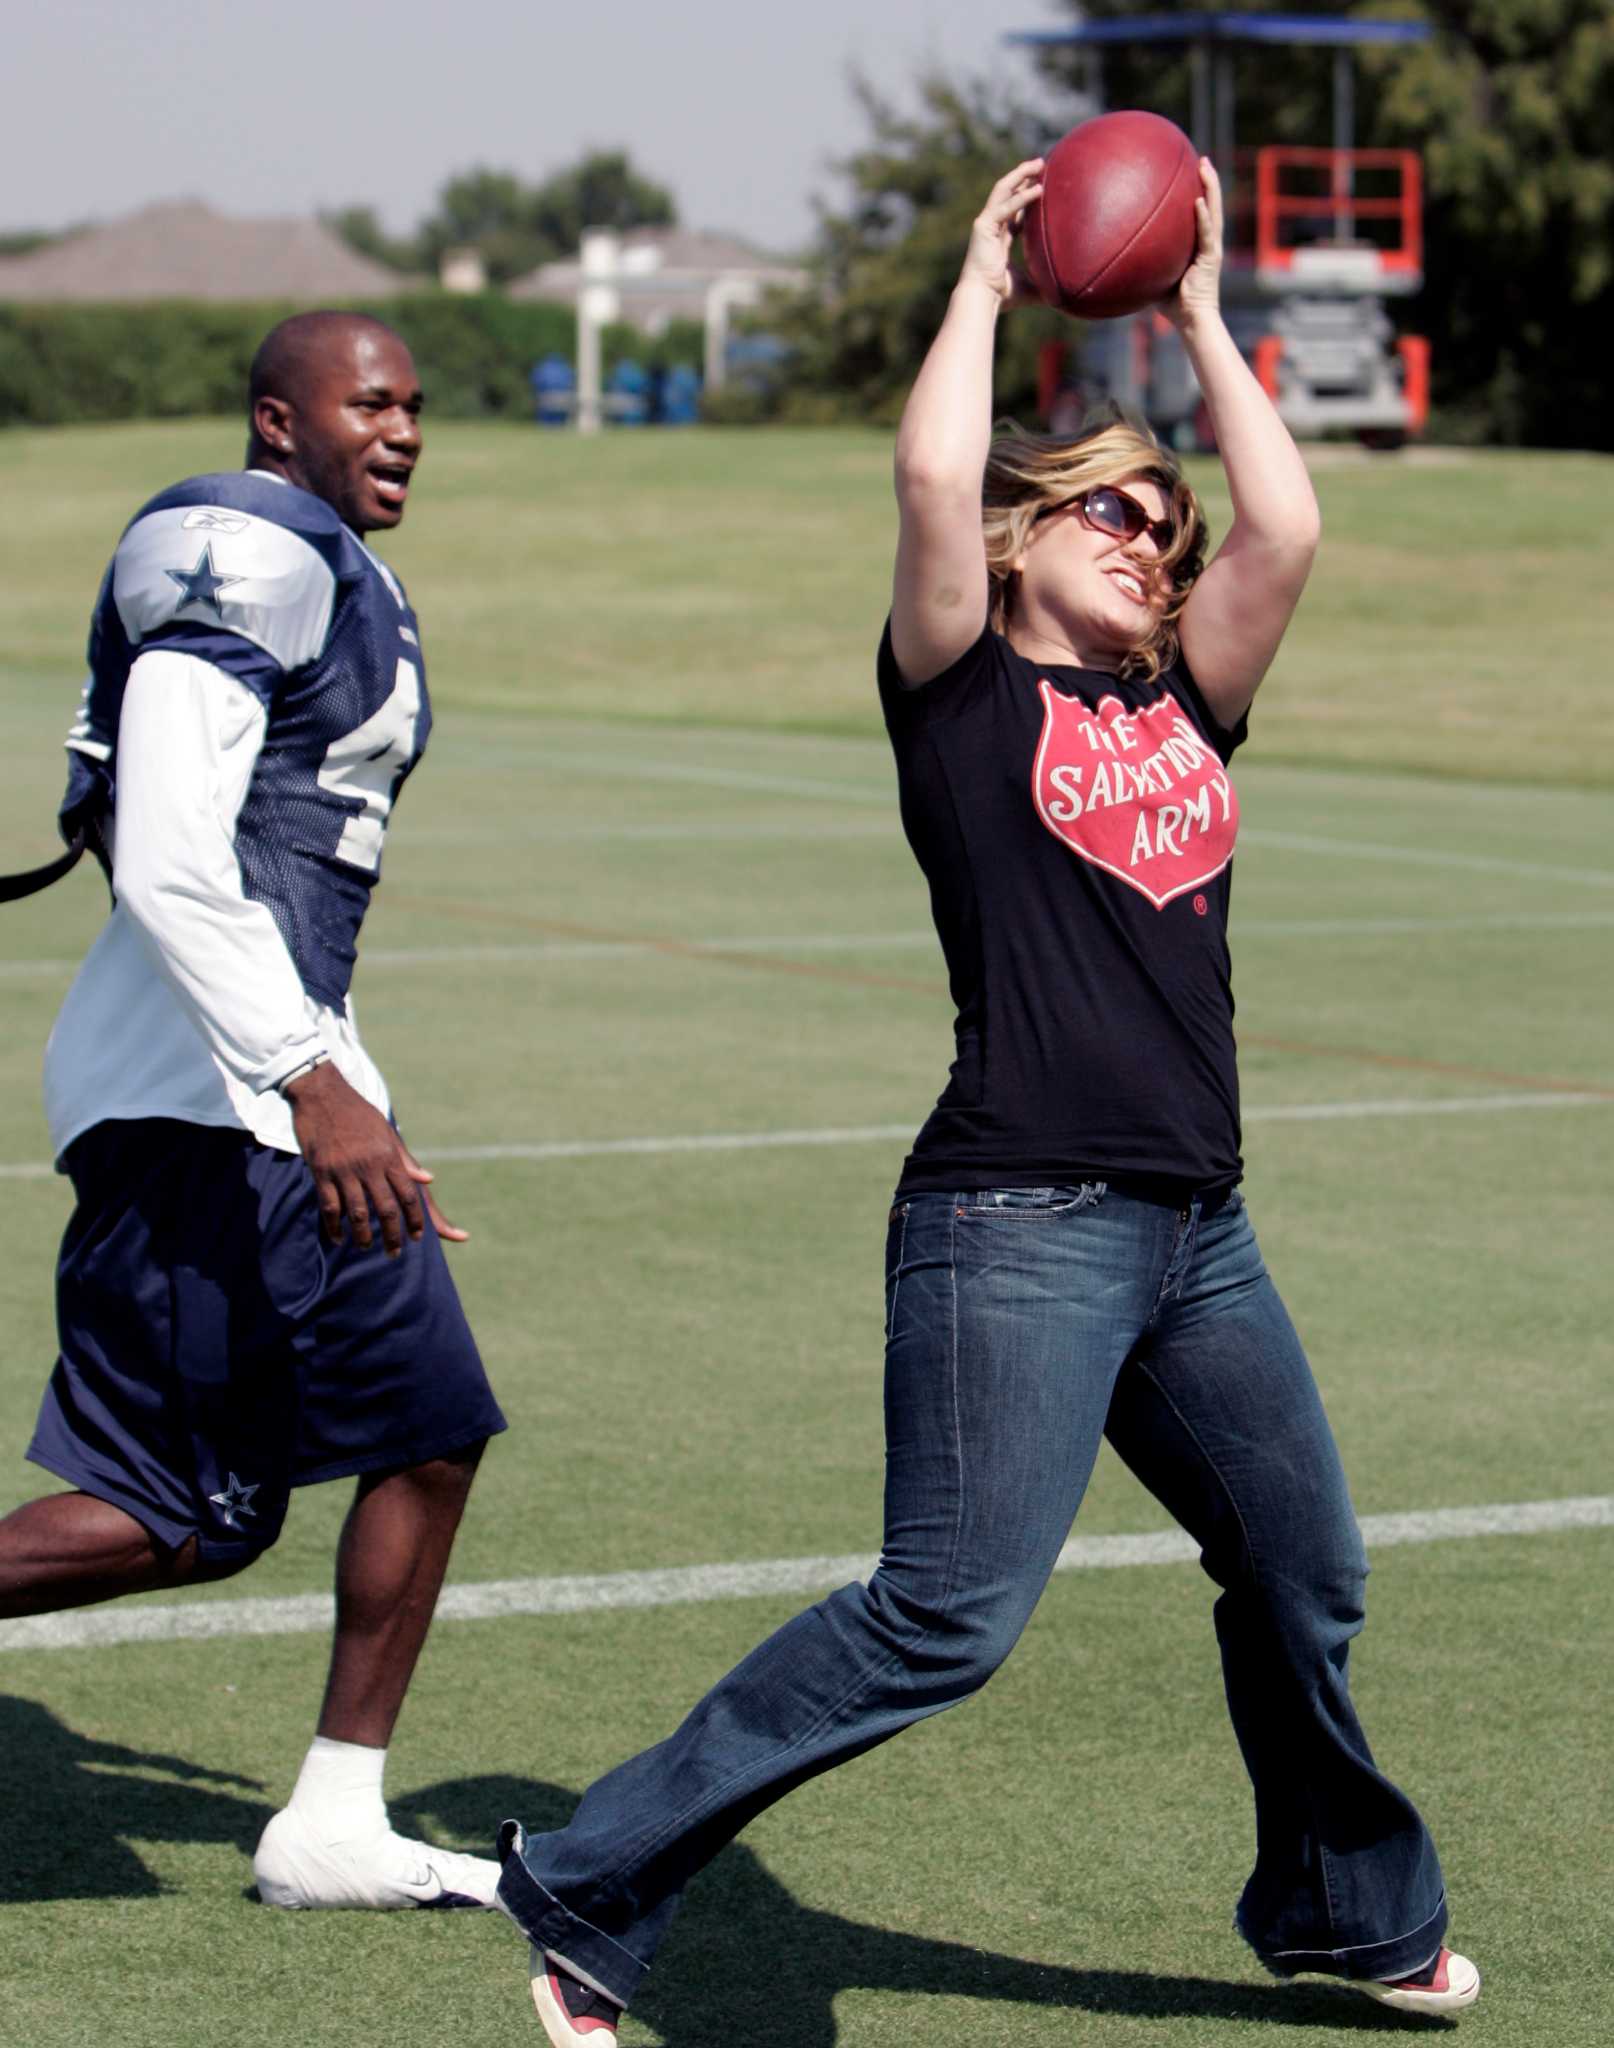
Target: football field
[[652, 978]]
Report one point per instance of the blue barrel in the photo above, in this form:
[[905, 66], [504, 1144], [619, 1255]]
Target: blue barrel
[[680, 396], [757, 361], [554, 388], [627, 395]]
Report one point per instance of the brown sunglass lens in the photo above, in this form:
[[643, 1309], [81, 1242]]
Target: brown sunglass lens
[[1114, 514]]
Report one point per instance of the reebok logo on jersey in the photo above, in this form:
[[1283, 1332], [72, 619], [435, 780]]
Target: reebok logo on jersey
[[216, 522], [1137, 793]]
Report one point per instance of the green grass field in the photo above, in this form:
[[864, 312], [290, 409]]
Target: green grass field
[[649, 885]]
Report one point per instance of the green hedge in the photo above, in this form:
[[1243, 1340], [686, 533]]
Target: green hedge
[[175, 359]]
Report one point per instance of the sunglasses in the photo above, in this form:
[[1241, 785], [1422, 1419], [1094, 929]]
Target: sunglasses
[[1115, 512]]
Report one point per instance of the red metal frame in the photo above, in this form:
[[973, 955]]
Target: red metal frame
[[1413, 350], [1268, 354], [1340, 204]]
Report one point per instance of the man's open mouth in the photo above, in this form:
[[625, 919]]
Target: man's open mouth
[[390, 482]]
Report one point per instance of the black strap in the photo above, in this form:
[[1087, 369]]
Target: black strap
[[33, 880]]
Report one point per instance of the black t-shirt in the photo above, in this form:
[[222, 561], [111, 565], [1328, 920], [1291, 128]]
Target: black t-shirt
[[1076, 832]]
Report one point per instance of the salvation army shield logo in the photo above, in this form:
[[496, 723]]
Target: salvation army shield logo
[[1140, 794]]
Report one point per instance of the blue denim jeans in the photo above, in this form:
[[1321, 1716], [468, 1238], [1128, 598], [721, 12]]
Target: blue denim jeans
[[1022, 1325]]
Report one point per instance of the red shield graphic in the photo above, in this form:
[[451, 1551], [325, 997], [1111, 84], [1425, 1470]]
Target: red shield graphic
[[1140, 794]]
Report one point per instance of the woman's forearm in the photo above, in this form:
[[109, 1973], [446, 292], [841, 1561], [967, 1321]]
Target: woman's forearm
[[946, 425], [1273, 499], [939, 586]]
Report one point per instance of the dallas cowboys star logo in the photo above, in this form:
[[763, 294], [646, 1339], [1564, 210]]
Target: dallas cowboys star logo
[[203, 584], [236, 1499]]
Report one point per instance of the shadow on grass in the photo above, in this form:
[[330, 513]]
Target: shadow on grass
[[746, 1962], [73, 1804]]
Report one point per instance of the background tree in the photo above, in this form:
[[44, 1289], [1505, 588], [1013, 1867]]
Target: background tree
[[1509, 105], [884, 266], [515, 226], [603, 190], [492, 212], [23, 241]]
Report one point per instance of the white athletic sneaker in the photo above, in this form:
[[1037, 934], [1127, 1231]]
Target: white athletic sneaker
[[381, 1872], [1446, 1985]]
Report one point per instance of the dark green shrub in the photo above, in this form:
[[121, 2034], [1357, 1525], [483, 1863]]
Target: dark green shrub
[[171, 359]]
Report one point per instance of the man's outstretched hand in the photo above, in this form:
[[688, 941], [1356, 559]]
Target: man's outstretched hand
[[362, 1169]]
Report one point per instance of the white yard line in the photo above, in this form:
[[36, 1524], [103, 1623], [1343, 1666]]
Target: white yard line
[[1390, 927], [537, 950], [672, 944], [1423, 857], [683, 1585], [698, 1141], [790, 943], [619, 769], [1434, 1105], [866, 1134], [860, 1134], [540, 832]]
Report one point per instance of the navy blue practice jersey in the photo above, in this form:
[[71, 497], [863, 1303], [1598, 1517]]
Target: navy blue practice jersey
[[262, 580]]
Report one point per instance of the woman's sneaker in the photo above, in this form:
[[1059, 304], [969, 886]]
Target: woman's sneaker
[[572, 2012], [1446, 1985]]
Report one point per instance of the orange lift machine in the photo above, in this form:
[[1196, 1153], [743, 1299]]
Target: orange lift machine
[[1318, 240]]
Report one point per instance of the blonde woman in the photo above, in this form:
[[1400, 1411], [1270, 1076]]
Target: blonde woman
[[1069, 1257]]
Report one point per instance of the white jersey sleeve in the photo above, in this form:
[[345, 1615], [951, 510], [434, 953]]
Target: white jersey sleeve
[[187, 741]]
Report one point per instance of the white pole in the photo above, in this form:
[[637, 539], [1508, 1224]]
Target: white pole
[[723, 294], [597, 302]]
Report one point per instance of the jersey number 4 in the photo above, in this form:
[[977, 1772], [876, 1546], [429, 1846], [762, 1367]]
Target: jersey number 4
[[366, 766]]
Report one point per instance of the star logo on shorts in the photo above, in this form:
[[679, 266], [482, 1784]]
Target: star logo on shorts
[[203, 584], [236, 1499]]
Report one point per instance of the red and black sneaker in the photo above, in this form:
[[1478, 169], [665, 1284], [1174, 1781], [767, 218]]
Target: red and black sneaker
[[572, 2012], [1446, 1985]]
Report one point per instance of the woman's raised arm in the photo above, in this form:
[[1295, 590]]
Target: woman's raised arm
[[1237, 612], [939, 594]]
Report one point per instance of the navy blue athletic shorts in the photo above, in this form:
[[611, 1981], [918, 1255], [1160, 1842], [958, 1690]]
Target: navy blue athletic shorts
[[216, 1351]]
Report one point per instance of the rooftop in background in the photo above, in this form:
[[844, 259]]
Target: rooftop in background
[[184, 250], [667, 274], [1229, 28]]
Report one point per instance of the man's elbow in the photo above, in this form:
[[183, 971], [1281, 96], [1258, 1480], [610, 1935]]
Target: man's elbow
[[145, 890]]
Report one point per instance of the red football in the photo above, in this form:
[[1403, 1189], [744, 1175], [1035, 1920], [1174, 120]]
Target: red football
[[1114, 228]]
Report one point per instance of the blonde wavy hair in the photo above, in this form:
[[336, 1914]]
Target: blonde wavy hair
[[1029, 475]]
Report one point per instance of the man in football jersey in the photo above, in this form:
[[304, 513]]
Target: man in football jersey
[[252, 1294]]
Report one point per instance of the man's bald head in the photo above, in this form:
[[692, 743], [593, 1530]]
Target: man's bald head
[[303, 347], [335, 410]]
